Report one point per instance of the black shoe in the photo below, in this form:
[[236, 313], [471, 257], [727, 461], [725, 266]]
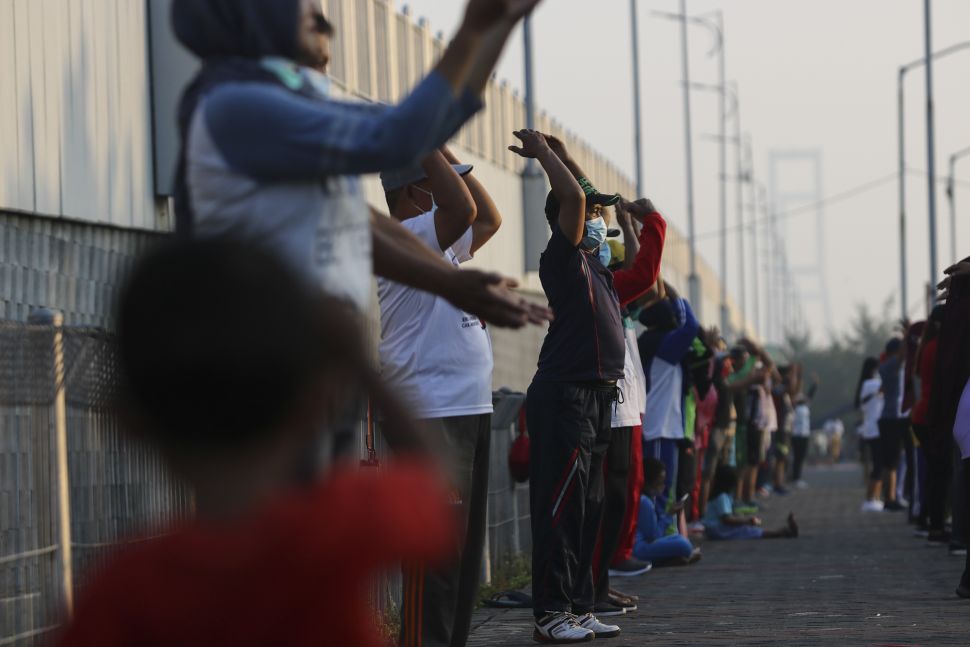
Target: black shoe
[[630, 568], [958, 548], [609, 609], [963, 590], [938, 537], [628, 602], [894, 506]]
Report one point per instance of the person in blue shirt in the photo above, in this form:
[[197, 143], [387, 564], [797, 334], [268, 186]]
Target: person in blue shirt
[[652, 544], [720, 521], [268, 156]]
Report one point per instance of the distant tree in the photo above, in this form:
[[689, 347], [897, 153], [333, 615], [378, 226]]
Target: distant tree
[[838, 364]]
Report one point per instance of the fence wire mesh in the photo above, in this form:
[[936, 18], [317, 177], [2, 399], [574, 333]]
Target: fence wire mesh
[[118, 488]]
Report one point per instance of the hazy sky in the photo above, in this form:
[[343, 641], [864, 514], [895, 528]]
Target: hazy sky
[[813, 74]]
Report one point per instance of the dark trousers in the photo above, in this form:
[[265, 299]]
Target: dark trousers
[[939, 470], [438, 604], [965, 468], [616, 475], [909, 479], [569, 425], [800, 449]]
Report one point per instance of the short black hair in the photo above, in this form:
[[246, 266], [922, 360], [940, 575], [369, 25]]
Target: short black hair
[[652, 469], [218, 341], [725, 481]]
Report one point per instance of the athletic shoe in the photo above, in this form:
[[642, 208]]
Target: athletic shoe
[[800, 484], [894, 506], [872, 506], [921, 533], [630, 568], [780, 491], [599, 629], [963, 590], [695, 528], [560, 628], [609, 609], [747, 507], [938, 537], [958, 549]]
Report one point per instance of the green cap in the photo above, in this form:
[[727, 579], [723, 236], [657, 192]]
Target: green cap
[[595, 197]]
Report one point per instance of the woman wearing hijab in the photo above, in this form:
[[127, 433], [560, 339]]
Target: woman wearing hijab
[[268, 156]]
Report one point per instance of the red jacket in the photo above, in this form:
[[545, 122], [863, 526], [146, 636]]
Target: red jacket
[[633, 282]]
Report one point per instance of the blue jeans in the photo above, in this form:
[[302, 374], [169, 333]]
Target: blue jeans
[[663, 548]]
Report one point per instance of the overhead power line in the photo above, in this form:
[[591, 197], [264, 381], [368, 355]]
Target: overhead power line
[[835, 198]]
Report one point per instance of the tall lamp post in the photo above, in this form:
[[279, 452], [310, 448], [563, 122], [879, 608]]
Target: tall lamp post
[[716, 25], [901, 99], [930, 144], [952, 197], [637, 124]]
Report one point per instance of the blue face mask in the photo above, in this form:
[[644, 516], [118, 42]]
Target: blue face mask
[[595, 233], [320, 82], [606, 255]]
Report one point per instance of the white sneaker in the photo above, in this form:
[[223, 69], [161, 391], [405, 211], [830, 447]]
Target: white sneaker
[[872, 506], [801, 484], [561, 628], [600, 630]]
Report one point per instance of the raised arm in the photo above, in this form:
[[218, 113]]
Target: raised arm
[[636, 280], [488, 220], [572, 200], [456, 209], [677, 342], [400, 256], [472, 54]]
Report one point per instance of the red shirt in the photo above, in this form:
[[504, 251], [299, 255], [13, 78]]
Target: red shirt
[[927, 360], [296, 574]]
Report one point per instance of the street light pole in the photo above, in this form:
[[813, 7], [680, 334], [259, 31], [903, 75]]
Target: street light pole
[[637, 125], [722, 124], [952, 197], [901, 96], [930, 146], [693, 280], [740, 178]]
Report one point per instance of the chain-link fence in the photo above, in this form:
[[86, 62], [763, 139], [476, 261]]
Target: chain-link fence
[[71, 485]]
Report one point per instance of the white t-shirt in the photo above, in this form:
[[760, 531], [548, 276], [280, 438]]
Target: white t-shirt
[[633, 386], [802, 421], [664, 417], [871, 409], [834, 428], [437, 358]]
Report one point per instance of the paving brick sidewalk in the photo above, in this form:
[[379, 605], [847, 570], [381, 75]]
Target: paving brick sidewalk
[[851, 579]]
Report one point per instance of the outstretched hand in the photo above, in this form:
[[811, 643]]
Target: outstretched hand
[[960, 269], [489, 296], [639, 209], [480, 15], [533, 143]]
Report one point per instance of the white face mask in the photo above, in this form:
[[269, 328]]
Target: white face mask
[[434, 205]]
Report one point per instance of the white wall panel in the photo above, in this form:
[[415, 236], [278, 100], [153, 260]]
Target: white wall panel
[[74, 111]]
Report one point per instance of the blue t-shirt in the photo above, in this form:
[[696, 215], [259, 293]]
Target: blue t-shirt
[[717, 508]]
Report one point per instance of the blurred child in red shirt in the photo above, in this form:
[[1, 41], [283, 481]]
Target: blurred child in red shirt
[[229, 363]]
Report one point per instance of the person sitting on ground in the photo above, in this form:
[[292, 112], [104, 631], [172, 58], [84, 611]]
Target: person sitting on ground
[[721, 522], [228, 362], [869, 400], [651, 543]]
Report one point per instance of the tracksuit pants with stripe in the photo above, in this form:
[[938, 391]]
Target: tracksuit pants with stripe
[[438, 603], [569, 426]]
